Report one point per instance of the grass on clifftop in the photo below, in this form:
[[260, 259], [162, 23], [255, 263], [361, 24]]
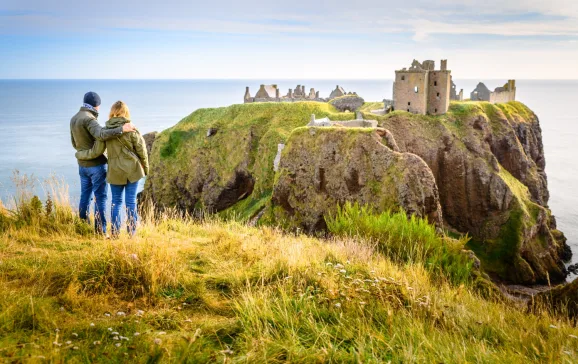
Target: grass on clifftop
[[245, 133], [186, 291]]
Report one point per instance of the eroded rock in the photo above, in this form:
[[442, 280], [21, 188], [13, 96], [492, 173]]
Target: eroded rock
[[562, 299], [488, 163], [149, 139], [330, 166], [191, 171]]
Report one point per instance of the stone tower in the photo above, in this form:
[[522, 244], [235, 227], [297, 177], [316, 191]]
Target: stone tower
[[421, 89]]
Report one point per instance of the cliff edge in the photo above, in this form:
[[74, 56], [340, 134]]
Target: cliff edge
[[489, 165], [479, 169]]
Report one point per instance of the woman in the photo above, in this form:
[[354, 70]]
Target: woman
[[127, 164]]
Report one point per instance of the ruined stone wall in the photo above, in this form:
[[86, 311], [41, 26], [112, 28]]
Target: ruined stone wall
[[501, 97], [271, 93], [294, 99], [267, 92], [439, 86], [266, 99], [504, 94], [480, 93], [411, 91], [454, 94]]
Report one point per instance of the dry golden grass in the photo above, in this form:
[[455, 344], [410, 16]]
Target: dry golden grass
[[224, 291], [213, 291]]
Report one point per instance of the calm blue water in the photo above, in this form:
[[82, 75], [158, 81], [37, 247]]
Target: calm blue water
[[35, 115]]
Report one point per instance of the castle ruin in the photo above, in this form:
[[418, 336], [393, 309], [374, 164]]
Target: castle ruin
[[505, 93], [502, 94], [359, 122], [421, 89], [454, 95], [480, 93], [271, 93]]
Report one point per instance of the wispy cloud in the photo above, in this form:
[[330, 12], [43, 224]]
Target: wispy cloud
[[506, 17], [384, 32]]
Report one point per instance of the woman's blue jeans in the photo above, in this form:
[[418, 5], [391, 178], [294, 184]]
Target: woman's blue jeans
[[93, 181], [129, 190]]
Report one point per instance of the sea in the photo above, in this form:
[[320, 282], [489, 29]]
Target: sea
[[35, 116]]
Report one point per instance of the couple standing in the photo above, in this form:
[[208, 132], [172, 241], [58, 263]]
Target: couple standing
[[127, 162]]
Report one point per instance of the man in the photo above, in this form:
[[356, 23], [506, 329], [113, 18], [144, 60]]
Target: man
[[84, 131]]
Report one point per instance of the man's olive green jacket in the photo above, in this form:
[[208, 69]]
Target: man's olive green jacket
[[127, 155], [85, 130]]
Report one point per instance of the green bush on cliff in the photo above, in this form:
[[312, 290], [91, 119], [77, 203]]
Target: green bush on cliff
[[405, 240]]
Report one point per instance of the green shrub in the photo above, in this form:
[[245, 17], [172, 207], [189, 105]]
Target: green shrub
[[403, 239]]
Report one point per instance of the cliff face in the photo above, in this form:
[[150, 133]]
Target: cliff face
[[322, 168], [482, 163], [222, 159], [488, 162]]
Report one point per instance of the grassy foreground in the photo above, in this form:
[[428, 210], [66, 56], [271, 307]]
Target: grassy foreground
[[185, 291]]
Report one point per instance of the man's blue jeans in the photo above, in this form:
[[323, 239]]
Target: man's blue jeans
[[130, 197], [93, 181]]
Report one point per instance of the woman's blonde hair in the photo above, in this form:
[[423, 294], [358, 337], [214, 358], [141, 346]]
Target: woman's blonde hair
[[119, 110]]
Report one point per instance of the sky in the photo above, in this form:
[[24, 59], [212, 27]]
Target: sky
[[339, 39]]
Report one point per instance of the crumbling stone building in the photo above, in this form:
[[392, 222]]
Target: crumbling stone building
[[505, 93], [338, 92], [271, 93], [502, 94], [421, 89], [265, 93], [454, 95], [480, 93]]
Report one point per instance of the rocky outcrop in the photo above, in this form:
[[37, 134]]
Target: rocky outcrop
[[347, 103], [562, 300], [484, 163], [322, 168], [488, 163], [149, 139], [201, 184], [215, 159]]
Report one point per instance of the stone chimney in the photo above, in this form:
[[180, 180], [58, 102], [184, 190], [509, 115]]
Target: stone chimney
[[511, 84], [444, 65], [247, 97]]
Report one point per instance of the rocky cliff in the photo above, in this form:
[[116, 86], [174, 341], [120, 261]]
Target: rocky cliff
[[482, 164], [488, 162], [222, 159], [324, 167]]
